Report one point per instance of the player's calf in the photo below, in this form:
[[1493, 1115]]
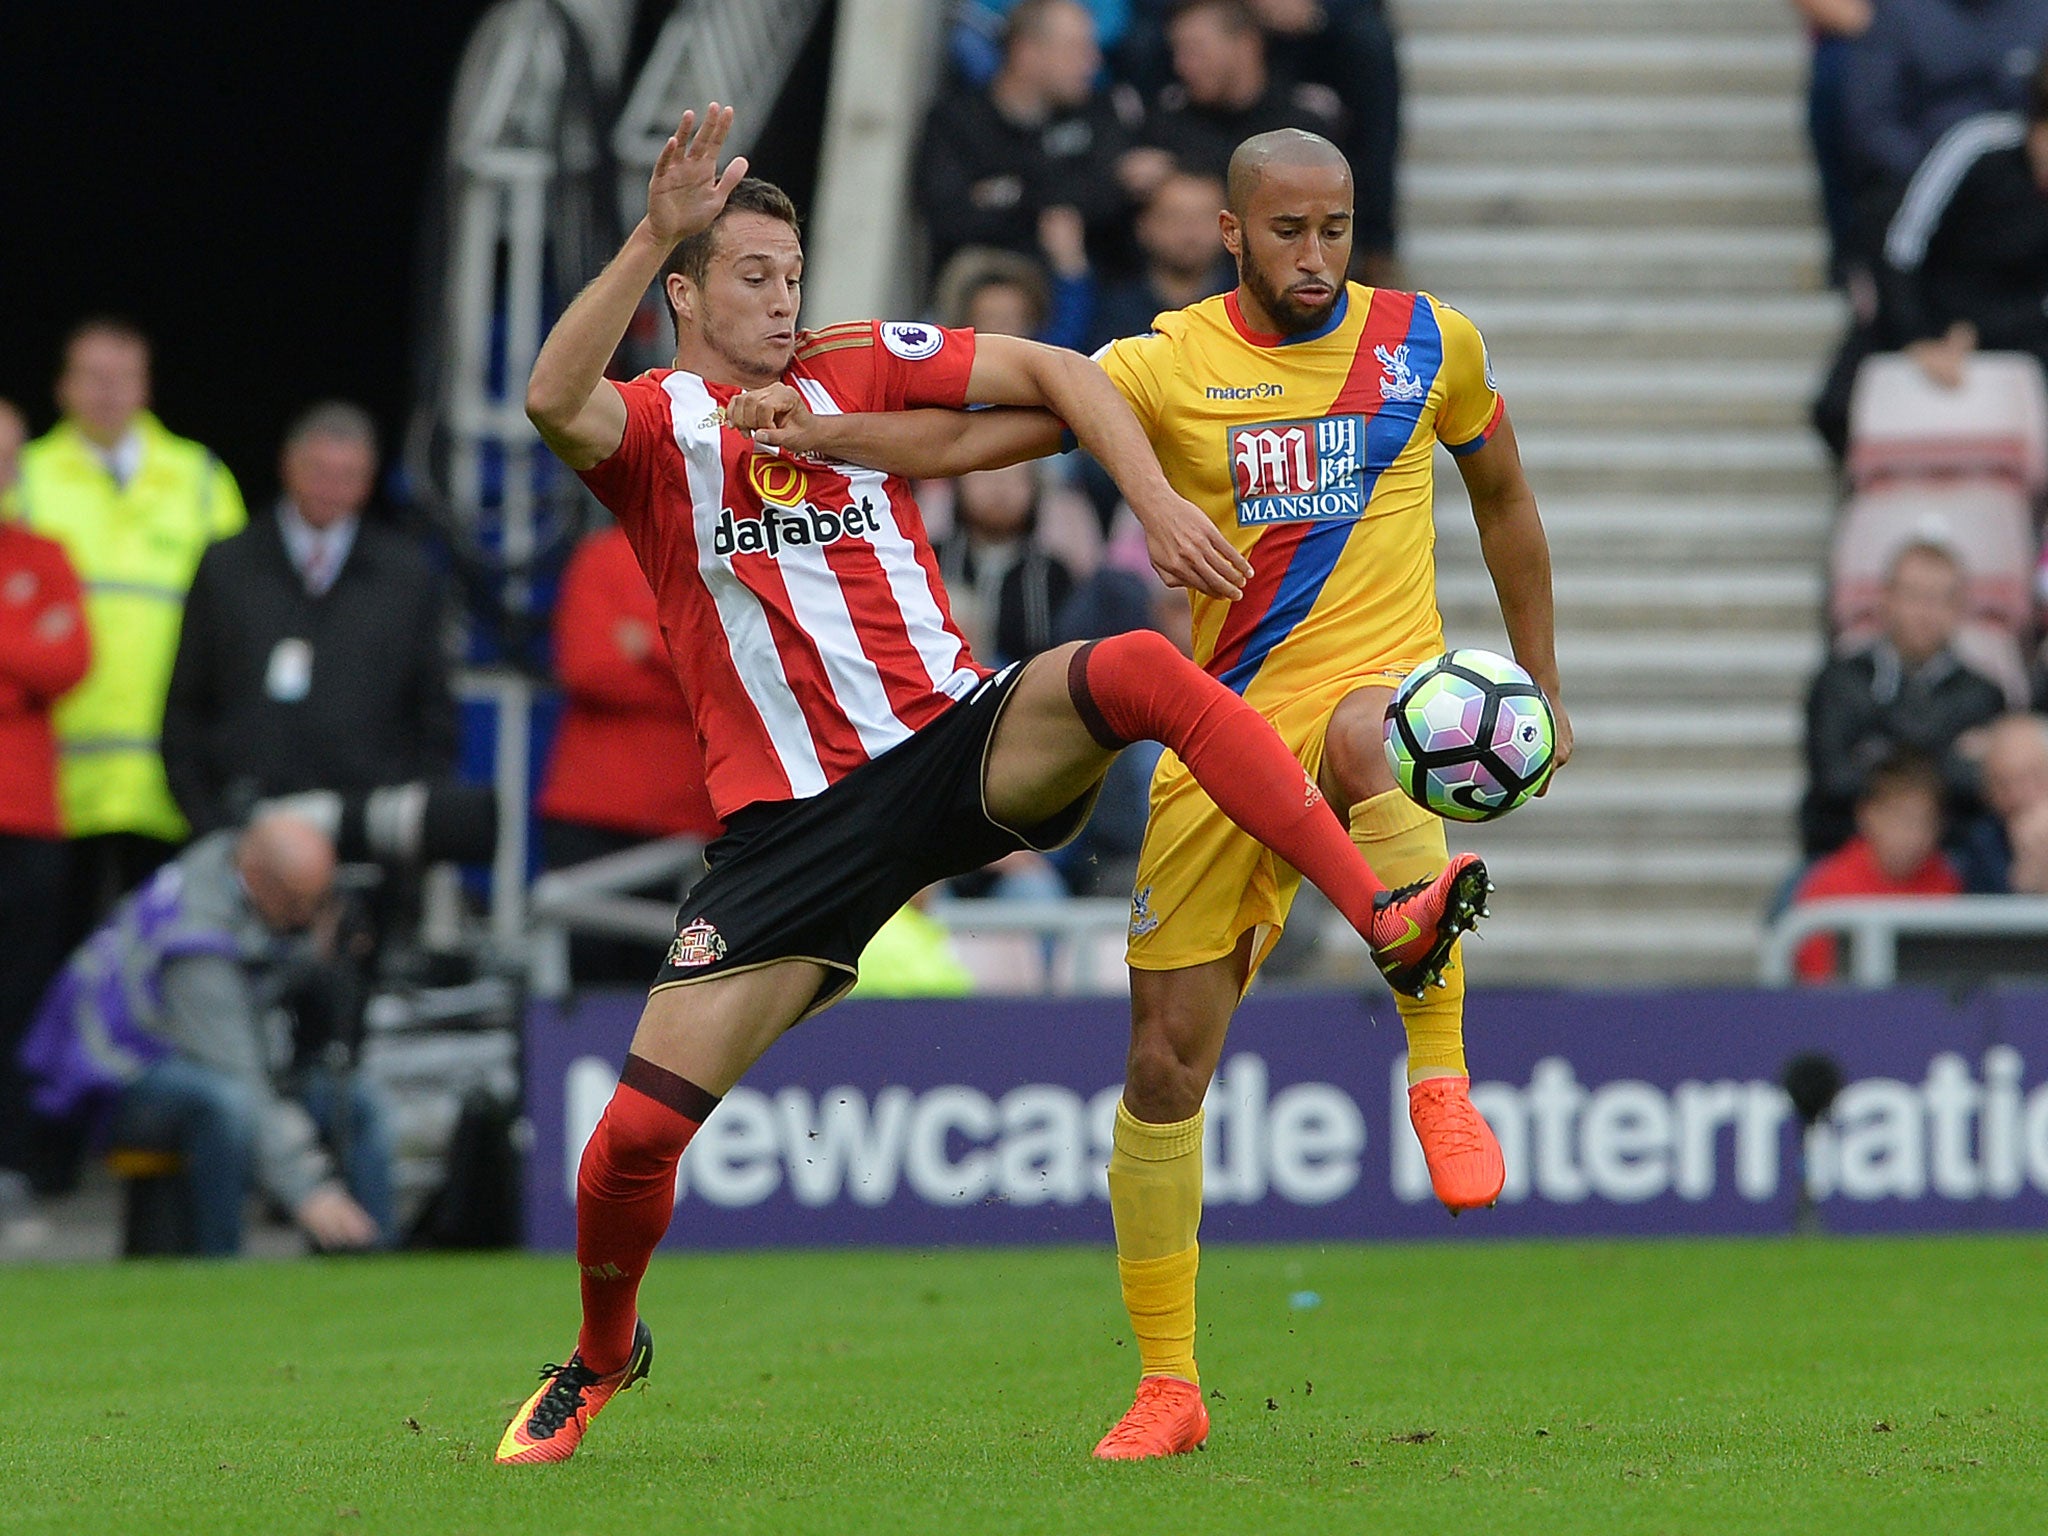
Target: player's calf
[[1138, 687]]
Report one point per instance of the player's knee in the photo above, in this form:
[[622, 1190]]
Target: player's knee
[[1145, 649], [1355, 763], [1161, 1084]]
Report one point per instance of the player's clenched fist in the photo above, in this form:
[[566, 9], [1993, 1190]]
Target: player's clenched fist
[[775, 416]]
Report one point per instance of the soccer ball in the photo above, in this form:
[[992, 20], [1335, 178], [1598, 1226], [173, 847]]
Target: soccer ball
[[1470, 736]]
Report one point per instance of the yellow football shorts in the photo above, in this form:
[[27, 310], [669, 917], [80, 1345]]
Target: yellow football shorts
[[1203, 882]]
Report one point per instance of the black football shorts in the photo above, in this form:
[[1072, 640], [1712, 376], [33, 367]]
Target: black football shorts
[[814, 879]]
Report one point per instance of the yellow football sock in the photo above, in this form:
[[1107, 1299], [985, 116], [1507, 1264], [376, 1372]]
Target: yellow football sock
[[1403, 842], [1155, 1197]]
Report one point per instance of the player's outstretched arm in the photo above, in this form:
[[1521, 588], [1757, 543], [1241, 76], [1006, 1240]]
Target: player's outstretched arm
[[920, 444], [1053, 386], [1518, 559], [1187, 549], [579, 414]]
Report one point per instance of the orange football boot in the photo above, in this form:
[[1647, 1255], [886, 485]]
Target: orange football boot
[[550, 1424], [1414, 927], [1465, 1168], [1168, 1417]]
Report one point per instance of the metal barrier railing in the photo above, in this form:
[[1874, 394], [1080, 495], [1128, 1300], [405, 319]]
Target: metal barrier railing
[[1873, 928], [592, 898], [1073, 932]]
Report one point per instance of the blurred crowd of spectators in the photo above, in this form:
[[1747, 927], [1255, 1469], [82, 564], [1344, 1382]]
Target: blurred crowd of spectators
[[1091, 140], [1926, 743], [1929, 121]]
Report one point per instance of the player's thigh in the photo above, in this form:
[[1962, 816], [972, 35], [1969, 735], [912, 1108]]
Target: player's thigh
[[1041, 758], [1355, 763], [711, 1031], [1178, 1021]]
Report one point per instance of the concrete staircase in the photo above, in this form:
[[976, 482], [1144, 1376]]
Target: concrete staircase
[[1619, 193]]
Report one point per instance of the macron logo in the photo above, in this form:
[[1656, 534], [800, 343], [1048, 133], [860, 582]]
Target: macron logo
[[1261, 391]]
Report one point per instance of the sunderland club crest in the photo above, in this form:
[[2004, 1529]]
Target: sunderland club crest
[[698, 944]]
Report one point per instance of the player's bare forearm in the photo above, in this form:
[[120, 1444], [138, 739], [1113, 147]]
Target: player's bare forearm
[[570, 367], [1186, 548], [1518, 559], [1079, 393], [1517, 553], [926, 444], [578, 415]]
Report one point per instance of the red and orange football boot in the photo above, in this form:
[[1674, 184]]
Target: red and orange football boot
[[550, 1424], [1465, 1167], [1168, 1417], [1414, 927]]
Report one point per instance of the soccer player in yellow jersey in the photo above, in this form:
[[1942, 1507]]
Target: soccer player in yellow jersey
[[1301, 413]]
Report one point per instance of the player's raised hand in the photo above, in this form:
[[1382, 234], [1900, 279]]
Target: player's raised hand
[[686, 191], [775, 416], [1188, 550]]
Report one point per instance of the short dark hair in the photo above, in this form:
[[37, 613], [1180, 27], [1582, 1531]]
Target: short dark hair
[[692, 258], [341, 420], [2037, 93], [1235, 15], [1027, 19], [1923, 546], [1903, 771], [115, 327], [975, 267]]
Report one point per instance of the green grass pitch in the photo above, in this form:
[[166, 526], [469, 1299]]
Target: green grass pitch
[[1712, 1387]]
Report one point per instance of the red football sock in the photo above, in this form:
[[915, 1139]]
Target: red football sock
[[625, 1195], [1138, 687]]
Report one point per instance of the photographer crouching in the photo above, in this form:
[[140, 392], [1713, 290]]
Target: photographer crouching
[[162, 1031]]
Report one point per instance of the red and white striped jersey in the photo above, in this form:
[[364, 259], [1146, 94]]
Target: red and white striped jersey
[[801, 601]]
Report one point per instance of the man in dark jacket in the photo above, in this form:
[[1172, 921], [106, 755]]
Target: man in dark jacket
[[1040, 139], [311, 655], [1925, 65], [1225, 91], [1966, 257], [1906, 690], [1964, 263]]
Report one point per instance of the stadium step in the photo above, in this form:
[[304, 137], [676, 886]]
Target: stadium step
[[1785, 460], [1758, 327], [1678, 261], [1596, 802], [1540, 130], [1738, 394], [1600, 20], [1653, 533], [1517, 62], [1711, 600], [1730, 739], [1512, 197]]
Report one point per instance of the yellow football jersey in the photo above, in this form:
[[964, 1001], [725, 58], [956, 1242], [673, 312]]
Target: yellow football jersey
[[1313, 455]]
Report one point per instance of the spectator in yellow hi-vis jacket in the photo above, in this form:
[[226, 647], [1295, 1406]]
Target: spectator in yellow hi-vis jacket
[[134, 507]]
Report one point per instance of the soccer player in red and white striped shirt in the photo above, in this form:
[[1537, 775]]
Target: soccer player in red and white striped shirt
[[854, 749]]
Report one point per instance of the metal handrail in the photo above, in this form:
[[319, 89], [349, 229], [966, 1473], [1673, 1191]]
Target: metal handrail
[[1874, 926]]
